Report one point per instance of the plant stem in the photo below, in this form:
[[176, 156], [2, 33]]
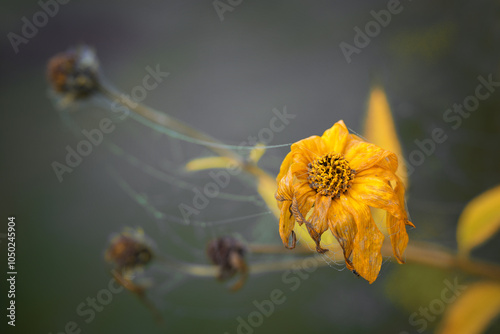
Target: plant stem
[[416, 253], [436, 256], [169, 122]]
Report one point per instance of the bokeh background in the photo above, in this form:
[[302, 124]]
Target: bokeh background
[[225, 78]]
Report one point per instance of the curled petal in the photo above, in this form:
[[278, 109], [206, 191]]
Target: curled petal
[[287, 223], [375, 190], [390, 163], [285, 188], [366, 257], [314, 229], [362, 155], [378, 172], [305, 197], [285, 166], [398, 235], [343, 227], [397, 227], [318, 220]]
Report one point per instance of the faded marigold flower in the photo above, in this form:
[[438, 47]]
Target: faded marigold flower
[[74, 73], [229, 255], [130, 250], [330, 182]]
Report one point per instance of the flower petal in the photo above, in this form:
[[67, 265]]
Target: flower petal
[[391, 163], [308, 149], [285, 165], [343, 227], [319, 217], [398, 235], [336, 137], [365, 190], [366, 257], [318, 223], [300, 171], [377, 172], [287, 223], [305, 197], [285, 188], [397, 227], [362, 155], [375, 190]]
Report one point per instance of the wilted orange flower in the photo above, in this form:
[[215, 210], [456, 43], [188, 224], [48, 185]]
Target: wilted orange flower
[[331, 182]]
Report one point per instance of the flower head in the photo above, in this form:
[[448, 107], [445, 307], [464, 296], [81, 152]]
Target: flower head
[[229, 255], [330, 182], [74, 73], [130, 250]]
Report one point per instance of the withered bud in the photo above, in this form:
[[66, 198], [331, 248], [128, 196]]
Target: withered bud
[[228, 254], [130, 250], [74, 73]]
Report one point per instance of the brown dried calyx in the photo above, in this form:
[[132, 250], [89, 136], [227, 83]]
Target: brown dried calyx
[[129, 250], [229, 255], [74, 73]]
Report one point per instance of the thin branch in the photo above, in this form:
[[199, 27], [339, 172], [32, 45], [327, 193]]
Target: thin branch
[[417, 252]]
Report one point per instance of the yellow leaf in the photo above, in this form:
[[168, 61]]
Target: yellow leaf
[[479, 221], [209, 163], [473, 310], [257, 152], [380, 129]]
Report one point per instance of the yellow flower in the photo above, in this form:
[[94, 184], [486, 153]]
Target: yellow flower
[[330, 182]]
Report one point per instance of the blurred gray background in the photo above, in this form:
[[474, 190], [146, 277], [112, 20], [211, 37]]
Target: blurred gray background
[[225, 79]]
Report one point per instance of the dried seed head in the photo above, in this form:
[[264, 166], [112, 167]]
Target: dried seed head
[[74, 73], [330, 175], [228, 254], [130, 250]]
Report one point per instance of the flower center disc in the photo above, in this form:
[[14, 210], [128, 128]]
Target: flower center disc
[[330, 175]]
